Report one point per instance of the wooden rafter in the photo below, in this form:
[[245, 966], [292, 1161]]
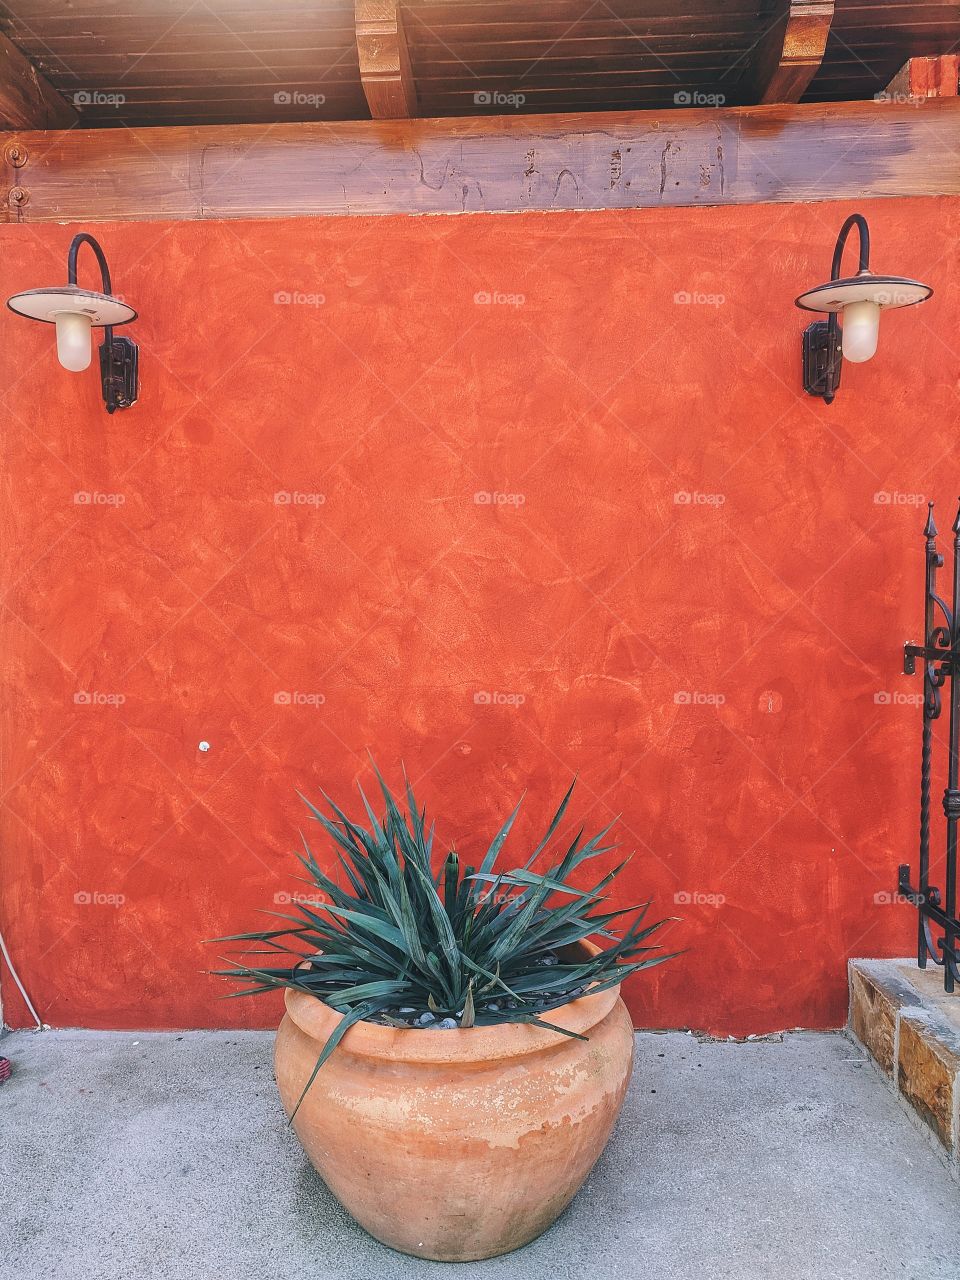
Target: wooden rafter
[[603, 160], [935, 77], [27, 101], [385, 70], [221, 62], [789, 53]]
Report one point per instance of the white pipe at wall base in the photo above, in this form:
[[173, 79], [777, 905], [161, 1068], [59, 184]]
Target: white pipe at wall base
[[20, 987]]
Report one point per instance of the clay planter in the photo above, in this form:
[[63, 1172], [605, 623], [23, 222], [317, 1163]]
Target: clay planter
[[456, 1145]]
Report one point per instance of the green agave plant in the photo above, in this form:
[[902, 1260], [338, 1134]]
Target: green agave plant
[[460, 947]]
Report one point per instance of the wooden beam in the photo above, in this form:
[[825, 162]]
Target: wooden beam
[[936, 77], [500, 164], [789, 53], [385, 70], [27, 101]]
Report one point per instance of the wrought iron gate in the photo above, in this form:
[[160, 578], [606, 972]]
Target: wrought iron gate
[[938, 927]]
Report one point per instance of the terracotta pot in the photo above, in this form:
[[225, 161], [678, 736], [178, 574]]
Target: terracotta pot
[[456, 1145]]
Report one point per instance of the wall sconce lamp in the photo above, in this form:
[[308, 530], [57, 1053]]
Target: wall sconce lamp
[[859, 299], [74, 312]]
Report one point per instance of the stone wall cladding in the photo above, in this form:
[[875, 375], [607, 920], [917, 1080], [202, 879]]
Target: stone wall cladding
[[913, 1042]]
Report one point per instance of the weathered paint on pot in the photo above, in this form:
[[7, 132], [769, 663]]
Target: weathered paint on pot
[[456, 1145]]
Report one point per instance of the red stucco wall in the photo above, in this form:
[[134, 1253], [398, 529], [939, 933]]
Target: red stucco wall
[[714, 669]]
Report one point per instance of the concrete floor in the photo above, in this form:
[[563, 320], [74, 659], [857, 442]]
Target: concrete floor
[[164, 1155]]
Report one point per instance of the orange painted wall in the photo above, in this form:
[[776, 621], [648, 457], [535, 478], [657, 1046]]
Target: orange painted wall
[[723, 670]]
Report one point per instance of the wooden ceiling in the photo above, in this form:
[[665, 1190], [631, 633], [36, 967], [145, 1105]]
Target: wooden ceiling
[[167, 62], [870, 42]]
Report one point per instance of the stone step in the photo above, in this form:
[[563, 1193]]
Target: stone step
[[911, 1028]]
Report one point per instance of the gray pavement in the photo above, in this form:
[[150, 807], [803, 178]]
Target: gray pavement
[[166, 1155]]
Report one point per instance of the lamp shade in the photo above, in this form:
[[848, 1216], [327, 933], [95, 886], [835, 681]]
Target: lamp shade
[[887, 292], [47, 304]]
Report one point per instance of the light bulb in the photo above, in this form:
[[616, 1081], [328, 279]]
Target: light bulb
[[74, 345], [861, 329]]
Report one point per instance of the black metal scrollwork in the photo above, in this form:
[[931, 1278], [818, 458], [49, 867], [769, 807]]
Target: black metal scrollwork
[[937, 927]]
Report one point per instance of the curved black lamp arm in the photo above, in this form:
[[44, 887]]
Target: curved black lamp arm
[[859, 221], [84, 238]]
